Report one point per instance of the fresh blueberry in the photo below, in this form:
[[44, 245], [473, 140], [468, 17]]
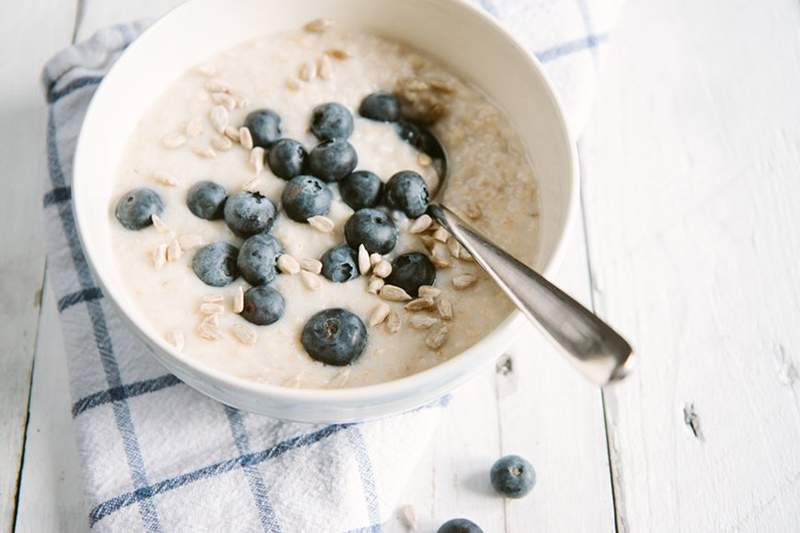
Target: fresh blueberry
[[424, 141], [264, 126], [248, 213], [334, 337], [331, 121], [407, 192], [373, 228], [286, 158], [340, 264], [380, 106], [215, 264], [136, 208], [258, 258], [305, 197], [459, 525], [331, 160], [410, 271], [513, 476], [206, 199], [263, 305], [360, 189]]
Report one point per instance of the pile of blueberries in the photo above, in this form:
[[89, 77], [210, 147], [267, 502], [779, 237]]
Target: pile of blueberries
[[333, 336]]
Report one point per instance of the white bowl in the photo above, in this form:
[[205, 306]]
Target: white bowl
[[466, 40]]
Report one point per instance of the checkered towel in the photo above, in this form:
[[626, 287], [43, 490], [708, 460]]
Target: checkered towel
[[159, 456]]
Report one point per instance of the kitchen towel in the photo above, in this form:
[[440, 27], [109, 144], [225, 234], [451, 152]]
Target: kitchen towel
[[159, 456]]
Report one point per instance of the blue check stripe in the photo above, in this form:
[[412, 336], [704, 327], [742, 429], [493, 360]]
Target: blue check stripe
[[71, 87], [570, 47], [123, 392], [83, 295], [212, 470], [367, 478], [57, 196], [269, 522]]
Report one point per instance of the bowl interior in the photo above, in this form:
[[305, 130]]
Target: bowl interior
[[462, 38]]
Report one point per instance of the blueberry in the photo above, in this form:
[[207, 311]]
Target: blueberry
[[264, 126], [410, 271], [513, 476], [424, 141], [334, 337], [258, 259], [286, 158], [305, 197], [373, 228], [331, 121], [360, 189], [136, 208], [248, 213], [215, 264], [380, 106], [459, 525], [331, 160], [263, 305], [407, 192], [206, 199], [340, 264]]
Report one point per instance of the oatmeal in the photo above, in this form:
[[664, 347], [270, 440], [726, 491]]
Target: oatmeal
[[280, 189]]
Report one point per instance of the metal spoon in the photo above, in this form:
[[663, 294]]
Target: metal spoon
[[592, 346]]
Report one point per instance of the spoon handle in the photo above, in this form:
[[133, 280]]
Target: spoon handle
[[596, 350]]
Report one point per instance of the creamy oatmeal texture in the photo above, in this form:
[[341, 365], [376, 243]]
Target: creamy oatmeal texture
[[178, 142]]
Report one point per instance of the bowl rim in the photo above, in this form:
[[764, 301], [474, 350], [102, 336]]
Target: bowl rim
[[463, 363]]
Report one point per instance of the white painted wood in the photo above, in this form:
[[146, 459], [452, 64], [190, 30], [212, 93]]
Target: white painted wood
[[38, 28], [692, 205], [51, 493]]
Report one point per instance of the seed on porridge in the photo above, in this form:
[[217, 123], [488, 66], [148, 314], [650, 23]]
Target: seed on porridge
[[375, 258], [165, 178], [159, 224], [205, 153], [338, 53], [221, 143], [264, 126], [441, 234], [375, 284], [257, 155], [263, 305], [217, 85], [420, 224], [211, 308], [245, 138], [340, 264], [311, 265], [324, 68], [393, 294], [406, 191], [176, 339], [226, 100], [292, 84], [424, 160], [286, 158], [310, 280], [258, 259], [332, 160], [213, 298], [190, 241], [174, 251], [237, 303], [393, 322], [464, 255], [420, 304], [288, 264], [440, 262], [232, 134], [208, 332], [436, 340], [464, 281], [173, 140], [334, 336], [364, 264], [321, 223], [379, 314], [206, 200], [248, 213], [383, 269], [420, 321], [160, 256], [304, 72], [454, 247], [210, 319], [308, 199], [428, 241], [473, 211], [244, 334], [194, 128], [318, 25], [445, 309], [373, 228], [410, 271], [360, 189], [429, 291]]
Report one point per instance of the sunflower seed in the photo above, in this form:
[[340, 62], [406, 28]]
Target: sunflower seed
[[423, 321], [364, 263], [311, 265], [219, 117], [221, 143], [375, 258], [424, 160], [321, 223], [324, 68], [217, 85], [420, 224], [292, 85], [245, 138], [213, 298], [393, 294], [310, 280], [436, 340], [375, 284], [211, 319], [408, 516], [393, 322], [440, 262], [173, 140], [464, 255], [288, 264], [445, 309], [174, 251], [305, 71], [237, 306], [257, 159], [453, 247], [205, 153], [160, 256], [420, 304], [194, 128], [175, 338], [463, 281], [379, 314], [338, 53], [244, 334], [159, 224], [232, 134], [428, 291], [473, 211], [382, 269], [224, 99], [209, 308], [428, 241], [441, 234], [208, 332], [318, 25]]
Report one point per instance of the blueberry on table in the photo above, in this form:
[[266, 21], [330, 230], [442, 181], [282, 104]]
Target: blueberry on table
[[215, 264], [258, 259], [286, 158], [136, 208], [247, 213], [383, 107], [410, 271], [334, 337], [512, 476], [361, 189], [331, 160], [264, 126], [459, 525], [373, 228], [340, 264], [263, 305], [331, 121], [206, 200], [406, 191], [305, 197]]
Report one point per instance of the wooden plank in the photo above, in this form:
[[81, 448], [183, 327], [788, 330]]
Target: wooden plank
[[51, 494], [39, 28], [692, 196]]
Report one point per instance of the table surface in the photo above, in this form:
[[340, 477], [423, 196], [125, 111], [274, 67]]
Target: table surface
[[689, 244]]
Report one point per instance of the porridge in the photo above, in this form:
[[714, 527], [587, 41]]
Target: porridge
[[269, 210]]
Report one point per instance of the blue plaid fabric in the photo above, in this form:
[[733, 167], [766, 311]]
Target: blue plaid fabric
[[159, 456]]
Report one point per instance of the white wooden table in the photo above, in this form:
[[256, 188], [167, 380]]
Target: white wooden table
[[690, 244]]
